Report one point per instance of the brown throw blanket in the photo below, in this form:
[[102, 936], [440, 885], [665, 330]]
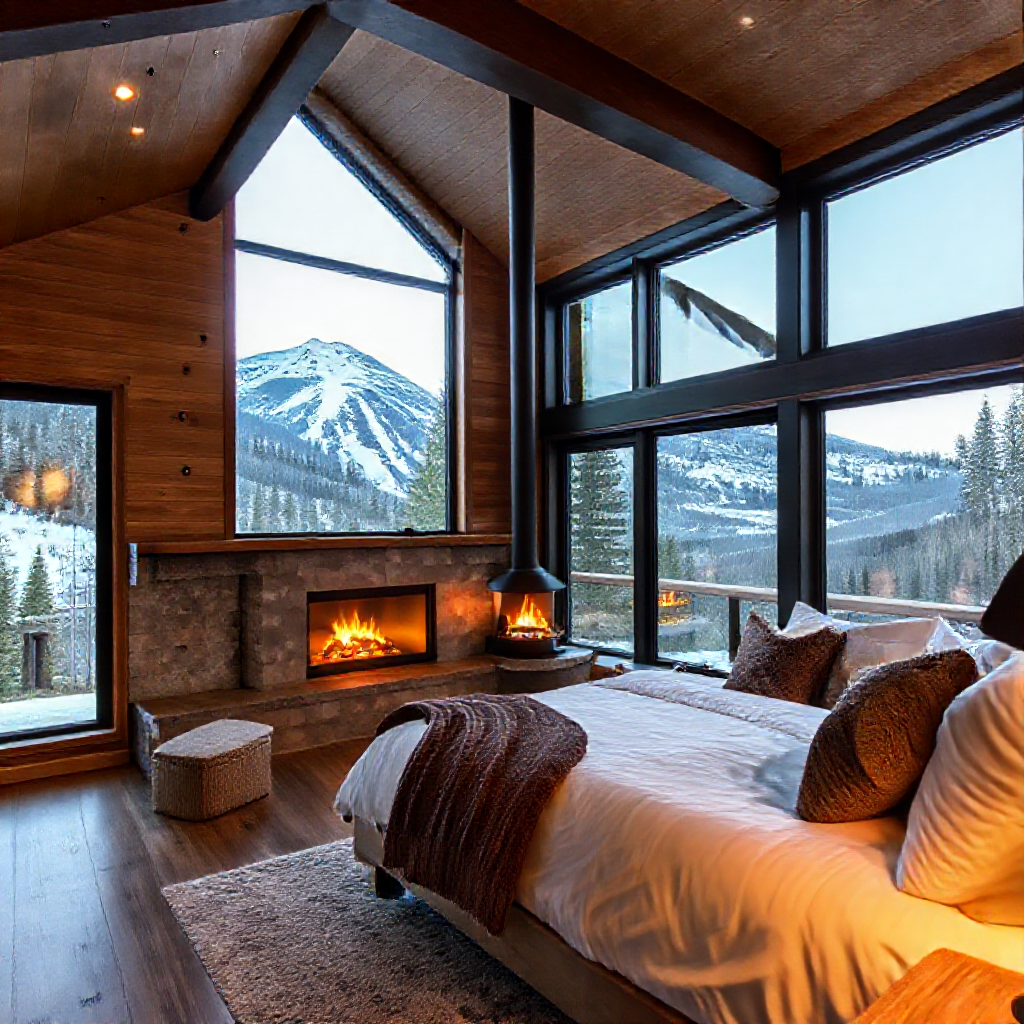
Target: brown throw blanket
[[471, 794]]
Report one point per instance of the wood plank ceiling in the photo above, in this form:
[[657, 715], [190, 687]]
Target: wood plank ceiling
[[448, 134], [67, 153], [787, 69], [808, 75]]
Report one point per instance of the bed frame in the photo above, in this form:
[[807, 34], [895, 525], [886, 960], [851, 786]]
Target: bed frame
[[580, 988]]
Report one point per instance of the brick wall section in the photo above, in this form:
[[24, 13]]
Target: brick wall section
[[202, 623]]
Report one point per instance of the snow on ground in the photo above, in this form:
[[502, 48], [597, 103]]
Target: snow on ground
[[47, 712], [24, 533]]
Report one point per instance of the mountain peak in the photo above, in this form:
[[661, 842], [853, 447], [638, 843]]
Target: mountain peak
[[350, 404]]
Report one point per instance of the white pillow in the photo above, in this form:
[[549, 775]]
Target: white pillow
[[990, 654], [871, 644], [965, 835]]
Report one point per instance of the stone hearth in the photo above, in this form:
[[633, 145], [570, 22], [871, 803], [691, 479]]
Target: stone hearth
[[225, 620]]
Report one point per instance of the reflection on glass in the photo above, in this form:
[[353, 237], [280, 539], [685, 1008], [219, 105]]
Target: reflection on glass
[[937, 516], [717, 309], [301, 197], [601, 548], [47, 566], [599, 344], [717, 505], [340, 410], [930, 246]]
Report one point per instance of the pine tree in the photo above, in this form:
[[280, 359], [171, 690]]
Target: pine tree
[[1012, 457], [258, 517], [670, 564], [10, 639], [37, 597], [427, 503], [980, 489], [600, 514], [290, 513]]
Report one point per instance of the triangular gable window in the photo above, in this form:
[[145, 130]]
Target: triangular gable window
[[342, 338]]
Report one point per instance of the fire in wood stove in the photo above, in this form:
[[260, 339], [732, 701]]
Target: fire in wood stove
[[362, 629]]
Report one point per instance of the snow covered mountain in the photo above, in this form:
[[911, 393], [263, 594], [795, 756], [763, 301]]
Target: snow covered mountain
[[346, 403], [723, 484]]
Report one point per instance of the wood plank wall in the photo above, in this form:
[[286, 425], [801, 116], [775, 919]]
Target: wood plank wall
[[126, 299], [484, 430]]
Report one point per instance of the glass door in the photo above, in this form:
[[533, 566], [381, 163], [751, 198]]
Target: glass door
[[55, 558]]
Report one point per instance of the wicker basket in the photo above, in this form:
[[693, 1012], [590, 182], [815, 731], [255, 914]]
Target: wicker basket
[[212, 770]]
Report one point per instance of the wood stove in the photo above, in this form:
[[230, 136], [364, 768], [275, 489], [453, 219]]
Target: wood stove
[[525, 606], [374, 627]]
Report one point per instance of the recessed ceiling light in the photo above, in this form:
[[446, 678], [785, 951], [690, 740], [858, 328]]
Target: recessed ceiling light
[[136, 130], [124, 92], [747, 21]]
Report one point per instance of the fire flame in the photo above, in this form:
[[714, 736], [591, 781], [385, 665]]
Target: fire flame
[[669, 599], [529, 617], [354, 638], [529, 623]]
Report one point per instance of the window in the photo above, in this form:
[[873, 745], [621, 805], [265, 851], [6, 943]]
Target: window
[[599, 344], [717, 503], [873, 481], [55, 551], [928, 246], [342, 338], [717, 309], [601, 548], [925, 497]]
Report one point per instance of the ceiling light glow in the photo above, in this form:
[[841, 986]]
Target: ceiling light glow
[[747, 21], [136, 130], [124, 92]]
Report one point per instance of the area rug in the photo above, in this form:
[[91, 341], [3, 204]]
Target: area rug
[[302, 940]]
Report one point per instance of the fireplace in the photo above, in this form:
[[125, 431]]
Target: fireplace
[[355, 630]]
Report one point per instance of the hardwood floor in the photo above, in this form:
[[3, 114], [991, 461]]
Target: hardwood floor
[[85, 936]]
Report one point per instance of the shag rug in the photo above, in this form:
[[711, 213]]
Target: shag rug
[[302, 940]]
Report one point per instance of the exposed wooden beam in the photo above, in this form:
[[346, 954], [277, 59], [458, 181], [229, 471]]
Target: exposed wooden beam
[[32, 28], [511, 48], [362, 150], [307, 53]]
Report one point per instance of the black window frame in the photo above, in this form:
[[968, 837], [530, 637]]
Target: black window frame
[[103, 403], [804, 379], [446, 288]]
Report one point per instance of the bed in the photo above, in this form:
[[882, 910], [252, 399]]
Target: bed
[[672, 858]]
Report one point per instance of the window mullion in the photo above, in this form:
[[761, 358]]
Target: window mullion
[[645, 549]]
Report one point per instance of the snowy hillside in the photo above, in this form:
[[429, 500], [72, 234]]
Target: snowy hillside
[[345, 403], [69, 551]]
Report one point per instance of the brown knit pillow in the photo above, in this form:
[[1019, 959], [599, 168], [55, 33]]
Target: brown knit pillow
[[772, 664], [872, 749]]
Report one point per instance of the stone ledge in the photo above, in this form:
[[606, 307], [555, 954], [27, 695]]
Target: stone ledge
[[313, 714]]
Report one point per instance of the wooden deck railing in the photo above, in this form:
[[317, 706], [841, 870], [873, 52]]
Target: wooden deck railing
[[735, 593]]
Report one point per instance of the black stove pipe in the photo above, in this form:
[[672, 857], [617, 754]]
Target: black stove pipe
[[526, 575]]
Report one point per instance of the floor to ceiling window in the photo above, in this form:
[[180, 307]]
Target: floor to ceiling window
[[55, 554], [823, 402], [601, 547], [342, 341], [717, 506]]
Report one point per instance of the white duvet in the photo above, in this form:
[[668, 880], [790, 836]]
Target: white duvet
[[672, 855]]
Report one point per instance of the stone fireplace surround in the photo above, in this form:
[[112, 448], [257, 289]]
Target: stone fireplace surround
[[219, 631]]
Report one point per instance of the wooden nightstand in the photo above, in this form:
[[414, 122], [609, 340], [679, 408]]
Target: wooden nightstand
[[949, 988]]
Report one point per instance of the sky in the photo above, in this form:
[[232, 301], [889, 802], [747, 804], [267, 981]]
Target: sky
[[928, 424], [280, 304]]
